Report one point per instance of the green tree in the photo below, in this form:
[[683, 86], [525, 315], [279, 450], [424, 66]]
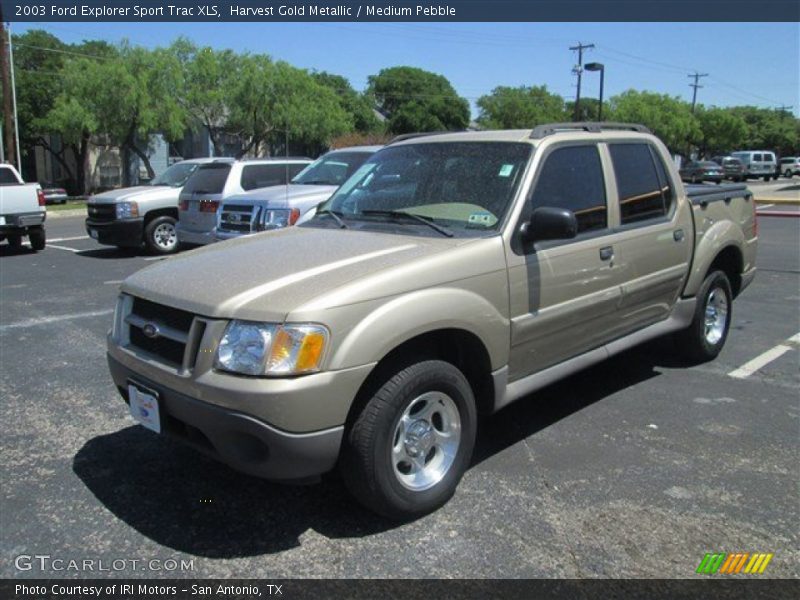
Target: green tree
[[670, 118], [39, 60], [769, 129], [208, 78], [416, 100], [358, 106], [520, 107], [722, 130], [272, 100]]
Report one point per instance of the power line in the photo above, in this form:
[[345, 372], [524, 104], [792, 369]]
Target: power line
[[696, 85], [579, 70]]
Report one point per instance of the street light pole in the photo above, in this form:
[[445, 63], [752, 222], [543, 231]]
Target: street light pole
[[14, 98], [599, 67]]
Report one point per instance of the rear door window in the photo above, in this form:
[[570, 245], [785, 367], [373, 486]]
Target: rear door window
[[757, 157], [642, 183], [208, 179], [572, 178], [260, 176]]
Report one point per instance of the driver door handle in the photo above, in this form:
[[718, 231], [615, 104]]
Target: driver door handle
[[607, 253]]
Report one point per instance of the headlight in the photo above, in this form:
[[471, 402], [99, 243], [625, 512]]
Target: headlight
[[276, 218], [127, 210], [271, 349]]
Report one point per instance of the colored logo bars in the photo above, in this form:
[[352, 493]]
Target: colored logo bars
[[731, 564]]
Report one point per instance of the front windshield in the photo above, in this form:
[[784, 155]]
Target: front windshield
[[466, 187], [176, 175], [331, 169]]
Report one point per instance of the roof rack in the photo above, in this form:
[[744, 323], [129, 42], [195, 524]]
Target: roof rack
[[411, 136], [541, 131]]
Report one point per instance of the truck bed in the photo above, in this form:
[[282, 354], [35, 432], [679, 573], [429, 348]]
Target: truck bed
[[706, 193]]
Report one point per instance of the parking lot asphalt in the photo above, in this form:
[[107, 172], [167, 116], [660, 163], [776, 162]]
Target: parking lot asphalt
[[634, 468]]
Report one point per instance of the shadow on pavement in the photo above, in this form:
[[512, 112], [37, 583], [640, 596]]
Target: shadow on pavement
[[7, 250], [185, 501]]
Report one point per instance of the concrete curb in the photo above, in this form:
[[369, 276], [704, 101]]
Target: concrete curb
[[60, 214], [787, 201]]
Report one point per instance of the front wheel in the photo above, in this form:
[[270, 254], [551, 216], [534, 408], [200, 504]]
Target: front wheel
[[160, 235], [406, 451], [788, 174], [15, 241], [704, 338]]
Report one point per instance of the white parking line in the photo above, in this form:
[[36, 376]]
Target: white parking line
[[62, 248], [763, 206], [54, 319], [69, 239], [764, 359]]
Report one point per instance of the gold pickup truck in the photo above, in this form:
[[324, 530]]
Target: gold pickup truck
[[451, 275]]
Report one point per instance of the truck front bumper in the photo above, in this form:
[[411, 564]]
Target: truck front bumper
[[119, 232], [241, 440]]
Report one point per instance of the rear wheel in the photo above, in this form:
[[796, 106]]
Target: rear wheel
[[160, 235], [407, 450], [787, 173], [37, 238], [704, 338]]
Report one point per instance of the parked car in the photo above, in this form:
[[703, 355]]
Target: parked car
[[790, 166], [699, 171], [451, 275], [280, 206], [54, 194], [142, 215], [22, 210], [758, 163], [211, 184], [732, 168]]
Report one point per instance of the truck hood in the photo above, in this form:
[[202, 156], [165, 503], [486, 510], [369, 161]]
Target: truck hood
[[138, 193], [282, 196], [266, 276]]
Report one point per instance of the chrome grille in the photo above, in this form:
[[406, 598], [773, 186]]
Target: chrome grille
[[101, 212], [236, 218], [164, 332]]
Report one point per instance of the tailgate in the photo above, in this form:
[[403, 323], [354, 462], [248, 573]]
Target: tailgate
[[21, 198]]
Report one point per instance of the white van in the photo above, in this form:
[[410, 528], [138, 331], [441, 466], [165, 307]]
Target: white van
[[758, 163]]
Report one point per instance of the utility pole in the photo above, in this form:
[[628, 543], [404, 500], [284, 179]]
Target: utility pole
[[579, 70], [695, 85], [5, 75], [784, 110]]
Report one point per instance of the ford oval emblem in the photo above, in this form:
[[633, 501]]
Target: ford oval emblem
[[151, 330]]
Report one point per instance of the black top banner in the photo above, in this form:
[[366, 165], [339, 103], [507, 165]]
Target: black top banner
[[423, 11]]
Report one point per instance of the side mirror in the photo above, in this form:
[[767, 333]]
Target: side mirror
[[549, 223]]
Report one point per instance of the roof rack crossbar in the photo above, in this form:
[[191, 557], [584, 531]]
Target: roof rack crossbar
[[541, 131], [411, 136]]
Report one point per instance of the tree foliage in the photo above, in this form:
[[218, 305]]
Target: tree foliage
[[416, 100], [357, 106], [668, 117], [520, 107], [722, 131]]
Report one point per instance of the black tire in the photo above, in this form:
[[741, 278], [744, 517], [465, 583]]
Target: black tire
[[766, 178], [367, 464], [696, 342], [37, 238], [15, 241], [788, 174], [160, 236]]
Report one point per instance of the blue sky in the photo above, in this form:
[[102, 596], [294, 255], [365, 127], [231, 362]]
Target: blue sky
[[748, 63]]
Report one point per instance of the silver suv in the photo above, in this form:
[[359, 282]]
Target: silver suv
[[283, 205], [212, 183]]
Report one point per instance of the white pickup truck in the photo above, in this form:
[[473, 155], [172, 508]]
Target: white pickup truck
[[22, 210]]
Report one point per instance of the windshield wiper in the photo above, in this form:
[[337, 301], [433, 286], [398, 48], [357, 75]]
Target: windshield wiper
[[419, 218], [336, 217]]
